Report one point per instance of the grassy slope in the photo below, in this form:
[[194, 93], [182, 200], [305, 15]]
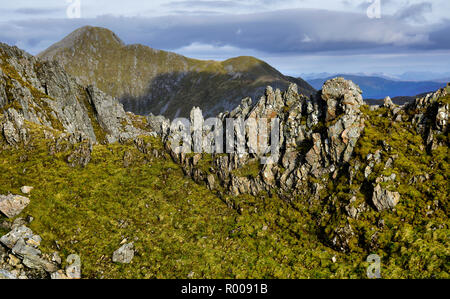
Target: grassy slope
[[181, 228], [414, 241]]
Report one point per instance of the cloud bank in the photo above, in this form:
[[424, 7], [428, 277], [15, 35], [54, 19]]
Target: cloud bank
[[282, 33]]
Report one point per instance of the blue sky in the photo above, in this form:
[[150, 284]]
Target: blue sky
[[295, 36]]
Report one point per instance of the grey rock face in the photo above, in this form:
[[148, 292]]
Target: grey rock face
[[12, 127], [159, 124], [42, 93], [343, 98], [124, 254], [384, 199], [431, 116], [112, 117], [304, 151], [442, 117], [13, 205]]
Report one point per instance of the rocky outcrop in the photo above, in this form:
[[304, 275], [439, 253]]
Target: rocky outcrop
[[12, 126], [306, 147], [159, 124], [430, 116], [42, 93], [25, 259], [343, 99]]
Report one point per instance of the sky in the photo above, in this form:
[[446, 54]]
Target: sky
[[294, 36]]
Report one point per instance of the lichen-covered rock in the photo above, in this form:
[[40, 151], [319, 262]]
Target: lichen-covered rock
[[42, 93], [303, 150], [159, 124], [112, 117], [124, 254], [343, 100], [24, 248], [12, 127], [341, 96], [384, 199], [13, 205], [442, 117]]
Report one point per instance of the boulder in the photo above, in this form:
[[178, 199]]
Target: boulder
[[341, 96], [24, 244], [13, 205], [17, 233], [384, 199], [124, 254], [26, 189], [73, 271], [388, 103]]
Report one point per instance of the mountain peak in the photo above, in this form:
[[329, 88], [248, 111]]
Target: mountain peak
[[87, 35]]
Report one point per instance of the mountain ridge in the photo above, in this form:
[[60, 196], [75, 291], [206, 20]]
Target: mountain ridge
[[155, 81], [348, 181]]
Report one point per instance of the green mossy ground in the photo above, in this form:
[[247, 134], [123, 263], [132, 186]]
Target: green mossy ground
[[250, 170], [181, 229], [178, 227]]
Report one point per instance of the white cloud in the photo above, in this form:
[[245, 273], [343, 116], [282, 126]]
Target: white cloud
[[94, 8], [214, 52]]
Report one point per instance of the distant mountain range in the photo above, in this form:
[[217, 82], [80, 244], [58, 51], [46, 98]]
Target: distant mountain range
[[379, 88], [154, 81], [407, 76]]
